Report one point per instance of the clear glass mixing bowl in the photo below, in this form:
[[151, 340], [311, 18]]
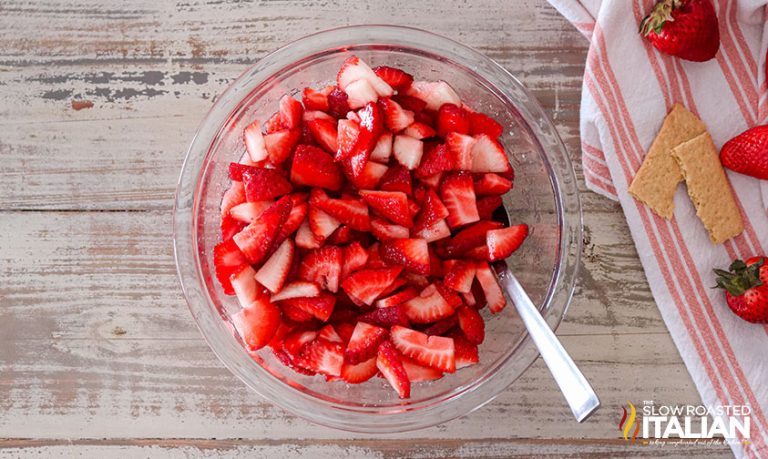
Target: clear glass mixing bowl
[[544, 196]]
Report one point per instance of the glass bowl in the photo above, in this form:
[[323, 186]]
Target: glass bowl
[[544, 196]]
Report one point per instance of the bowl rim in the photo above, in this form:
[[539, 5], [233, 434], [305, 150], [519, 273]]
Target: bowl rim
[[404, 417]]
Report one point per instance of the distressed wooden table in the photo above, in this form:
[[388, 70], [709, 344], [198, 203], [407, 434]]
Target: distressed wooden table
[[99, 356]]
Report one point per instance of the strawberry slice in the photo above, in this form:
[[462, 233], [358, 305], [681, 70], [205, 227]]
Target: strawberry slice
[[460, 276], [371, 126], [458, 194], [338, 107], [502, 242], [442, 326], [290, 112], [412, 254], [391, 204], [322, 266], [411, 103], [322, 357], [321, 224], [370, 177], [492, 184], [465, 352], [471, 323], [398, 298], [329, 334], [383, 148], [488, 156], [280, 144], [295, 314], [386, 317], [383, 230], [312, 115], [367, 284], [274, 271], [389, 364], [294, 221], [320, 306], [256, 239], [364, 342], [487, 205], [471, 237], [419, 130], [395, 117], [248, 212], [314, 167], [324, 132], [257, 324], [295, 341], [316, 100], [254, 142], [408, 151], [347, 133], [434, 161], [419, 373], [428, 307], [433, 93], [354, 69], [439, 230], [493, 294], [305, 238], [359, 93], [350, 212], [297, 289], [374, 258], [451, 118], [236, 172], [264, 184], [355, 257], [397, 178], [234, 195], [274, 123], [459, 148], [227, 260], [432, 351], [432, 211], [451, 297], [394, 77], [360, 373], [230, 227], [480, 123]]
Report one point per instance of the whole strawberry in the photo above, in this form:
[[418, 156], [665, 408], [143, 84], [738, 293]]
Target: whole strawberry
[[683, 28], [746, 288], [747, 153]]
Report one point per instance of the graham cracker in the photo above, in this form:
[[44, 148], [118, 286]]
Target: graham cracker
[[656, 181], [709, 188]]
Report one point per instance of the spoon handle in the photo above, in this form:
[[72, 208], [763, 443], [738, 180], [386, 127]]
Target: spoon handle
[[574, 386]]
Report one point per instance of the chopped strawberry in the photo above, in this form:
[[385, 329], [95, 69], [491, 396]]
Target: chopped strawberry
[[337, 103], [391, 204], [459, 148], [435, 94], [458, 195], [256, 240], [344, 329], [465, 352], [364, 342], [329, 334], [248, 212], [370, 177], [386, 317], [395, 117], [350, 212], [305, 238], [394, 77], [408, 151], [342, 235], [314, 167], [296, 340], [487, 205], [230, 227], [492, 184], [320, 306], [493, 294], [442, 326], [502, 242], [354, 69], [383, 230], [433, 181], [360, 373], [451, 118], [434, 161], [236, 171], [397, 178], [254, 142], [274, 271], [227, 260], [432, 351], [274, 123], [488, 156], [367, 284], [257, 324], [383, 148], [419, 373], [294, 221], [469, 299], [432, 211], [411, 103], [316, 100], [398, 298], [234, 195], [412, 254], [322, 266], [428, 307], [439, 230], [280, 144], [295, 314], [355, 257], [471, 237], [371, 126], [324, 133], [263, 184], [297, 289], [419, 130], [360, 93], [374, 257], [471, 323], [460, 276], [290, 112], [322, 357], [313, 115], [321, 224], [451, 297], [347, 134], [391, 367], [480, 123]]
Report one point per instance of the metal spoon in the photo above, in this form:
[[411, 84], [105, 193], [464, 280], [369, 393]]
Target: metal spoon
[[574, 386]]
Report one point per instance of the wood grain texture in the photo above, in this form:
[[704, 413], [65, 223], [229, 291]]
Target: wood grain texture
[[99, 356]]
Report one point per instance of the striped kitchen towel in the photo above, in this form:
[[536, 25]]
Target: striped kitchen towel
[[628, 89]]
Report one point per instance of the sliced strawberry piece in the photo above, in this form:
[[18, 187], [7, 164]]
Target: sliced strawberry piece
[[295, 314], [411, 103], [391, 204], [394, 77], [367, 284], [459, 148], [344, 329], [371, 176], [360, 373], [460, 276], [355, 257], [227, 260], [347, 134], [471, 323], [256, 240], [234, 195], [488, 156], [432, 211], [442, 326], [502, 242], [296, 340], [439, 230], [322, 357], [254, 142], [465, 352], [354, 69], [451, 118], [295, 218], [386, 317], [451, 297], [432, 351], [313, 115], [320, 306], [458, 195], [248, 212], [316, 100], [230, 227], [257, 324], [395, 117], [290, 112], [408, 151], [314, 167], [428, 307], [374, 258], [487, 206], [383, 230], [305, 238], [389, 364], [280, 144], [412, 254], [419, 130], [480, 123], [398, 298], [397, 178], [329, 334], [492, 184], [469, 299], [321, 224], [324, 132], [274, 124], [435, 94], [337, 103], [371, 126], [359, 93], [236, 172], [322, 266], [433, 181], [471, 237], [350, 212], [383, 148], [434, 161], [274, 271], [297, 289], [419, 373], [493, 294], [364, 342], [264, 184]]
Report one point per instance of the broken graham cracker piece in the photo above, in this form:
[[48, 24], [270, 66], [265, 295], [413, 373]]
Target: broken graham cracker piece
[[709, 188], [656, 181]]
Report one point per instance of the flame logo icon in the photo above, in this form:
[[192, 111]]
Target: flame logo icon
[[626, 428]]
